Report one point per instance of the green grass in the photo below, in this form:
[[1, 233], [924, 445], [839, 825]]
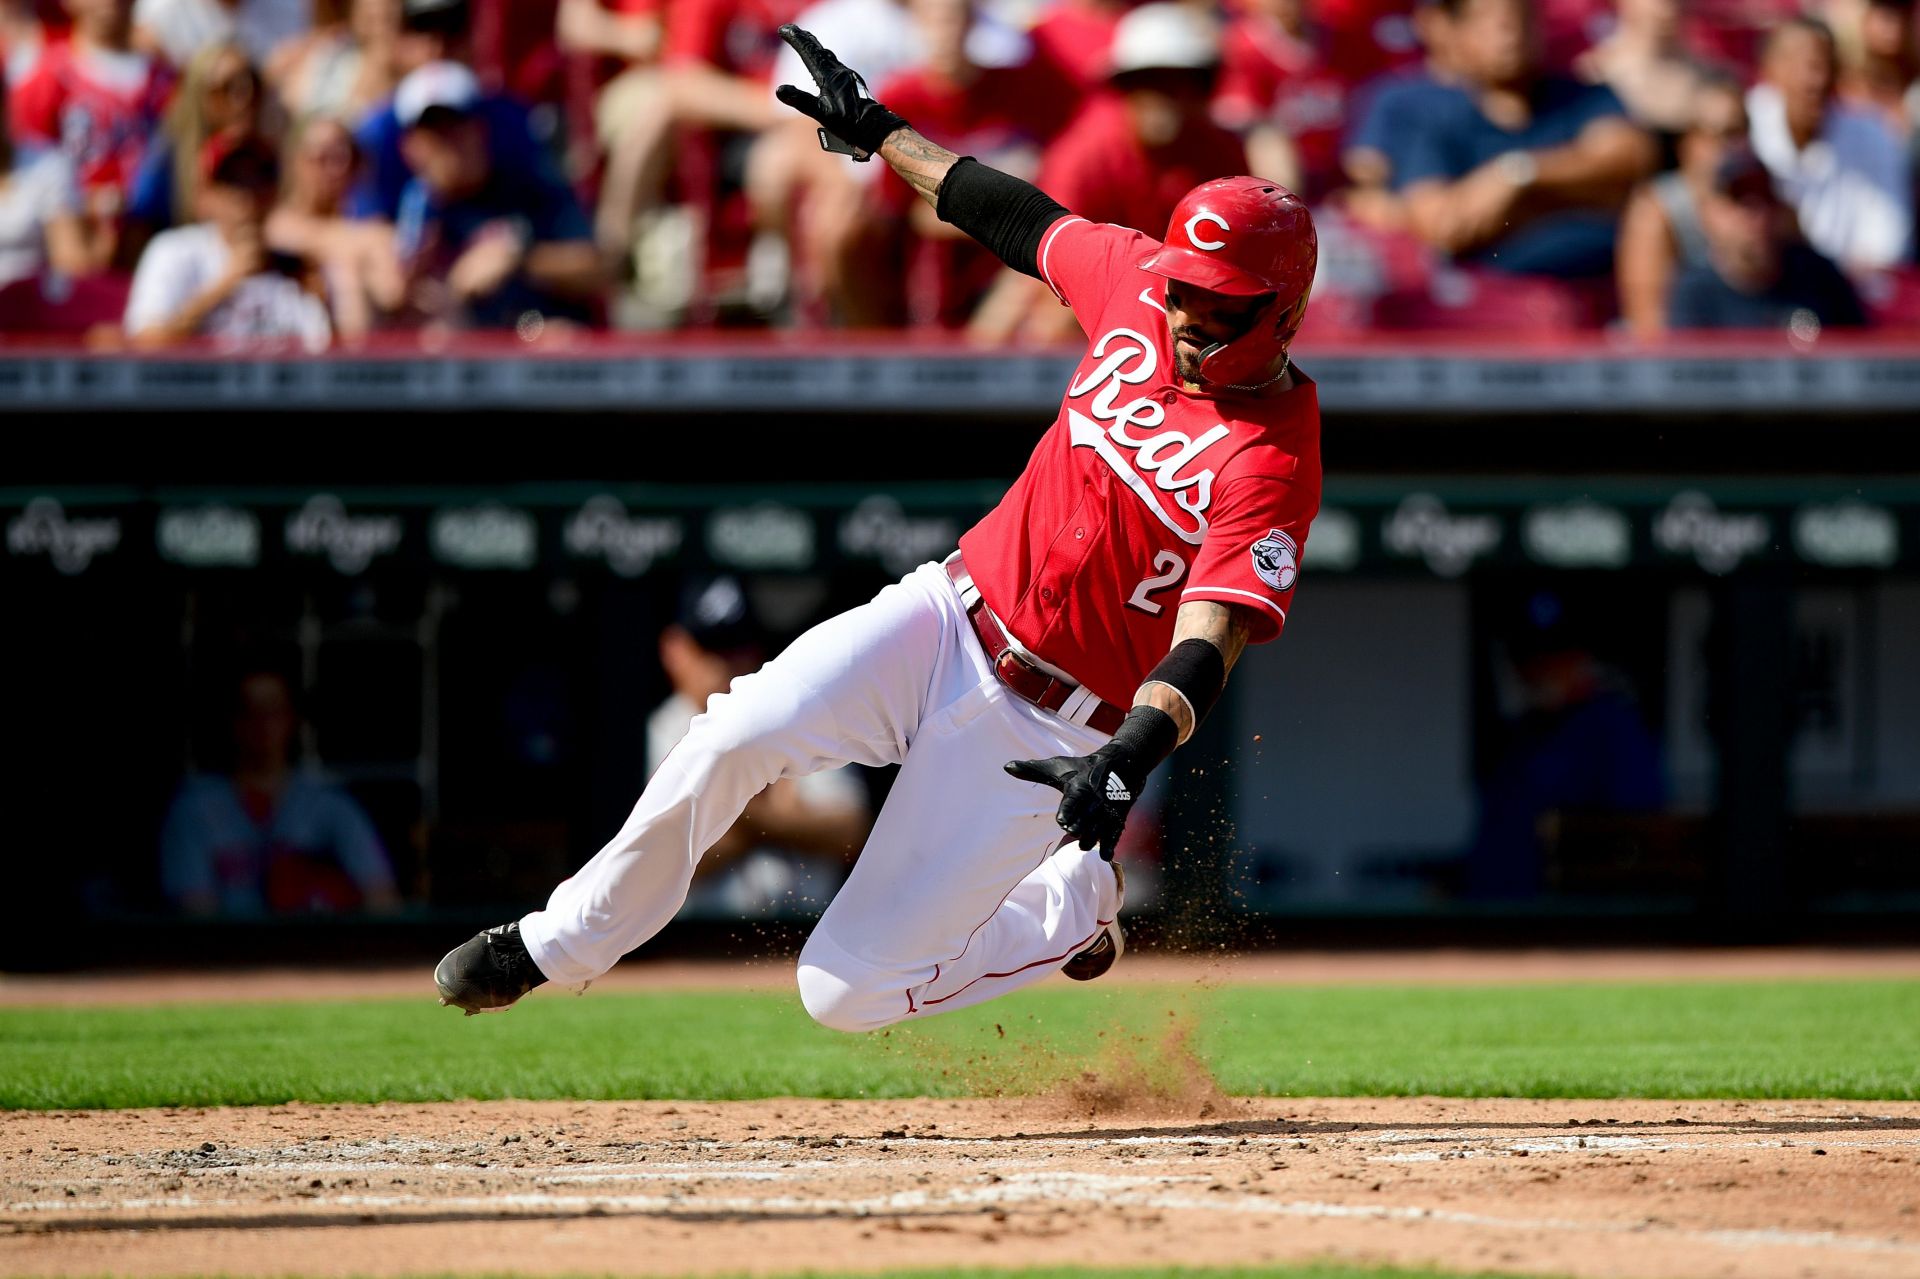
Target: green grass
[[1857, 1039]]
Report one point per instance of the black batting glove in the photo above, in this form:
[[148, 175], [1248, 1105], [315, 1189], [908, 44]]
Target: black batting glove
[[851, 122], [1098, 791]]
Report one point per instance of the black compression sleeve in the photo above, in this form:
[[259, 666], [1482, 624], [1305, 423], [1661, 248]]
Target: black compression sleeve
[[1197, 671], [999, 210]]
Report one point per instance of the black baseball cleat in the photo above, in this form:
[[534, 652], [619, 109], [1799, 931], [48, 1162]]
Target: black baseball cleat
[[488, 972], [1106, 949]]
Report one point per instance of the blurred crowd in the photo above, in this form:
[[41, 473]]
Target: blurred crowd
[[314, 172]]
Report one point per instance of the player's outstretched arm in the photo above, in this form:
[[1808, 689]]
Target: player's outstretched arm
[[1223, 626], [999, 210], [1097, 791]]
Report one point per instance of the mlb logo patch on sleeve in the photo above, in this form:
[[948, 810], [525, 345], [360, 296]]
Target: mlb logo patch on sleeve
[[1277, 560]]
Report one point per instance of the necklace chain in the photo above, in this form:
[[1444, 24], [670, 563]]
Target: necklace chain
[[1285, 365]]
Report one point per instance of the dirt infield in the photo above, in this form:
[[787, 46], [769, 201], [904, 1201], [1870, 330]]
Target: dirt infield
[[1410, 967], [1672, 1190], [1099, 1174]]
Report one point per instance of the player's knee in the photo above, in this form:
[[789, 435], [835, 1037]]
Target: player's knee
[[842, 994], [838, 1009]]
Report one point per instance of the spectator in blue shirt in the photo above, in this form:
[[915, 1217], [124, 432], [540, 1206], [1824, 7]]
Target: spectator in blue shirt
[[1386, 110], [434, 31], [1759, 272], [1577, 743], [1385, 115], [483, 245], [268, 837], [1518, 169]]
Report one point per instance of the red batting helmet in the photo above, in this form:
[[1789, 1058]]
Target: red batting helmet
[[1243, 237]]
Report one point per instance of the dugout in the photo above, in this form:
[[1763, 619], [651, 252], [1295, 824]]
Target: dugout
[[463, 559]]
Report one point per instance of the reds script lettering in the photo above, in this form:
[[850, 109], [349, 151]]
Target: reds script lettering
[[1161, 456]]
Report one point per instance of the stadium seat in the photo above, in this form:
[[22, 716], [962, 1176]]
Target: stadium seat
[[1489, 302], [52, 306], [725, 220], [1893, 298]]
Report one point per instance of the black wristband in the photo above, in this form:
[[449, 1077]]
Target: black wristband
[[1145, 737], [1007, 215], [1197, 671]]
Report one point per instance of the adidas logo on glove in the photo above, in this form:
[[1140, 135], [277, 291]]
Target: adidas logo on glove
[[1117, 789]]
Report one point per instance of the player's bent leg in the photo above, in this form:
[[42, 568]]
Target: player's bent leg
[[843, 992], [639, 879], [854, 689], [964, 890], [1064, 906]]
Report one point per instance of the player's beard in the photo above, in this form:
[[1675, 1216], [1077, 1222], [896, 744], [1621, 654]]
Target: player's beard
[[1189, 354]]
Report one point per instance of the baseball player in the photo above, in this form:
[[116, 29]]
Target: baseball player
[[1028, 685]]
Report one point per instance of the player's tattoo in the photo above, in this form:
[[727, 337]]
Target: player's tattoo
[[922, 163], [1224, 626]]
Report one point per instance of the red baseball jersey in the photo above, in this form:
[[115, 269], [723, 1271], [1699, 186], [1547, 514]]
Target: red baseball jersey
[[1143, 494], [101, 108], [737, 36], [1076, 37], [1099, 169], [1268, 76]]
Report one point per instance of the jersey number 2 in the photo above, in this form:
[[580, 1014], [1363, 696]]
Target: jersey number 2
[[1167, 569]]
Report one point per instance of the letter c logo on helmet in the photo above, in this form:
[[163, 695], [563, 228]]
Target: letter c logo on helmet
[[1193, 236], [1271, 254]]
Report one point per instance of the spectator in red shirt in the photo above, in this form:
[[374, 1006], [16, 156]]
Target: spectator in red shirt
[[1731, 32], [24, 33], [40, 224], [1076, 39], [1569, 28], [1279, 87], [1001, 116], [1366, 38], [97, 99], [1131, 154]]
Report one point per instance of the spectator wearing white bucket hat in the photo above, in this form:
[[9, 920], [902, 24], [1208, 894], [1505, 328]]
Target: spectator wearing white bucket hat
[[1133, 152]]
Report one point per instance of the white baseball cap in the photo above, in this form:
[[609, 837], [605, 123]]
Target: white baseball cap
[[446, 85], [1164, 36]]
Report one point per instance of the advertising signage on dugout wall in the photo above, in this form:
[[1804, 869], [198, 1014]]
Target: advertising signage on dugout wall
[[628, 375], [1443, 531]]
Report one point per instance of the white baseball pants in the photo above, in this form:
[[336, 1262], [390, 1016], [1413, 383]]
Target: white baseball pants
[[966, 888]]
